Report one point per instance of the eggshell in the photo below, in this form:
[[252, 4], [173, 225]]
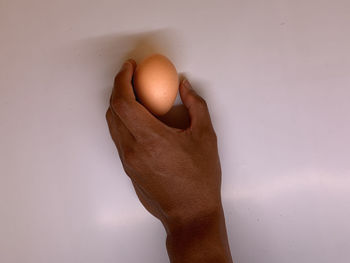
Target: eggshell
[[156, 84]]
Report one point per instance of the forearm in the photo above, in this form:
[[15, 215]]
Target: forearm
[[201, 240]]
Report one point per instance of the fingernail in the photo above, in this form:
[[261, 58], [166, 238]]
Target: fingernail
[[186, 83], [132, 62], [126, 64]]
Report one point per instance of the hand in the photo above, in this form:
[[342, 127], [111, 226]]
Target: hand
[[176, 173]]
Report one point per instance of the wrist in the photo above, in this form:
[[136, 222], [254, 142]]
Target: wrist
[[200, 239], [202, 210], [184, 221]]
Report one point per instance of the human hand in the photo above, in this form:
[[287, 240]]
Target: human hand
[[176, 173]]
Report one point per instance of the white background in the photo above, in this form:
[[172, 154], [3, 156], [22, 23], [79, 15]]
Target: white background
[[276, 75]]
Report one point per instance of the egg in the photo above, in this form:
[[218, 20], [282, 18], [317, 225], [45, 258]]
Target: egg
[[156, 84]]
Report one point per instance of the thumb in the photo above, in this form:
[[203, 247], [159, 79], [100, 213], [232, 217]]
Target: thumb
[[196, 106]]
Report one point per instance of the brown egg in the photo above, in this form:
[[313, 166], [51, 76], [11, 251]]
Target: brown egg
[[156, 84]]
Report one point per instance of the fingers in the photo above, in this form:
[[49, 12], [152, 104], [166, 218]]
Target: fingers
[[137, 119], [123, 82], [196, 105], [121, 136]]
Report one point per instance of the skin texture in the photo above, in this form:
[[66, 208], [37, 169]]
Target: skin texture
[[176, 173]]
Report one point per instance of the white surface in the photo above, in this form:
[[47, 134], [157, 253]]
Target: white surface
[[276, 77]]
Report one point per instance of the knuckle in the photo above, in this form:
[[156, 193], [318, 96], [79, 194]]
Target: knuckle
[[214, 136], [118, 77], [201, 103], [129, 156], [108, 114], [119, 105]]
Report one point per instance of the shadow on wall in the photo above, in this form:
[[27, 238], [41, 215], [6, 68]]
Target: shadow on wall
[[119, 47], [105, 55]]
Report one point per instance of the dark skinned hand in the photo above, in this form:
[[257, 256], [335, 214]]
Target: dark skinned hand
[[176, 173]]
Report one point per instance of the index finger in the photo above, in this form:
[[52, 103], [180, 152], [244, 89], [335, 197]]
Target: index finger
[[139, 121], [122, 82]]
